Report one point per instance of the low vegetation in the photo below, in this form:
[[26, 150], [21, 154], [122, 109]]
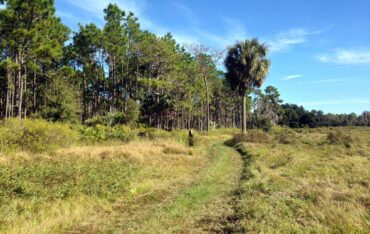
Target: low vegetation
[[35, 135], [57, 178], [316, 180], [152, 180]]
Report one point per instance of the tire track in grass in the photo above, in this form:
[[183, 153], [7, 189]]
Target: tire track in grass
[[232, 224], [201, 204]]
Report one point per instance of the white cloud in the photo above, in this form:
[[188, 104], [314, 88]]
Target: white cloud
[[347, 56], [96, 7], [185, 39], [285, 40], [336, 102], [234, 31], [291, 77]]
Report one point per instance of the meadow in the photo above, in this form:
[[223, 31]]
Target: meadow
[[305, 181], [60, 178]]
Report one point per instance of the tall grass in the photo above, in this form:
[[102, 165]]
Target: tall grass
[[316, 184], [55, 192], [35, 135]]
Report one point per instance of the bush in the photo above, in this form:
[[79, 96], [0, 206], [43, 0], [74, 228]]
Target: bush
[[266, 124], [253, 135], [35, 135], [117, 118], [100, 133], [132, 113], [153, 133], [61, 103], [286, 136], [338, 138]]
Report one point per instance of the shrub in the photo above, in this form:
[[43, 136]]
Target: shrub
[[133, 112], [35, 135], [102, 133], [117, 118], [266, 124], [286, 136], [61, 103], [96, 120], [153, 133], [339, 137]]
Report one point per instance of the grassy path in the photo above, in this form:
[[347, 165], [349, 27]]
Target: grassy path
[[200, 204]]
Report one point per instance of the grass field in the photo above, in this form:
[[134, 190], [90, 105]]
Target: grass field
[[143, 185], [310, 184], [287, 181]]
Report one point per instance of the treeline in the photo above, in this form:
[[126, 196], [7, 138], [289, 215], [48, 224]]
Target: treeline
[[113, 70], [122, 74], [296, 116], [268, 109]]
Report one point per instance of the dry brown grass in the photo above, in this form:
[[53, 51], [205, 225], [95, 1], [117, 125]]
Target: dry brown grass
[[309, 185], [146, 152], [158, 167]]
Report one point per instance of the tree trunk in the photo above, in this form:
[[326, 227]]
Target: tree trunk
[[25, 94], [244, 117], [34, 92], [207, 103], [20, 77], [84, 102], [8, 94]]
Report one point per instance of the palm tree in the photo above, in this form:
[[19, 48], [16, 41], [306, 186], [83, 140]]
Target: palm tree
[[247, 67]]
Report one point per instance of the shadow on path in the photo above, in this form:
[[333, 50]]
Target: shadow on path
[[232, 223]]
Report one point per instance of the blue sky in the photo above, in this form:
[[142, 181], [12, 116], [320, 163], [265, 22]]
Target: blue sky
[[320, 50]]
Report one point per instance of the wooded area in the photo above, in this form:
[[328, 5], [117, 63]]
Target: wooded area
[[128, 74]]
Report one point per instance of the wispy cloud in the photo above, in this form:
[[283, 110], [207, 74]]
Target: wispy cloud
[[65, 14], [347, 56], [186, 11], [96, 7], [291, 77], [336, 102], [330, 83], [234, 31], [325, 81], [285, 40]]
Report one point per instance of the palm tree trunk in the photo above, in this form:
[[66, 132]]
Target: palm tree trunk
[[244, 108]]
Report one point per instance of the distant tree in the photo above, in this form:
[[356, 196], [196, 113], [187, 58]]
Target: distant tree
[[86, 44], [267, 106], [206, 59], [247, 67], [115, 43]]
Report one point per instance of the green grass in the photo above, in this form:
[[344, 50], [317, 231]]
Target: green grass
[[204, 201], [117, 186], [284, 181], [309, 185]]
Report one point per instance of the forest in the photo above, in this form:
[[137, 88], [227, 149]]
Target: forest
[[127, 74]]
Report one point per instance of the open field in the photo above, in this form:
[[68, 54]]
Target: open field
[[308, 184], [304, 180], [143, 185]]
